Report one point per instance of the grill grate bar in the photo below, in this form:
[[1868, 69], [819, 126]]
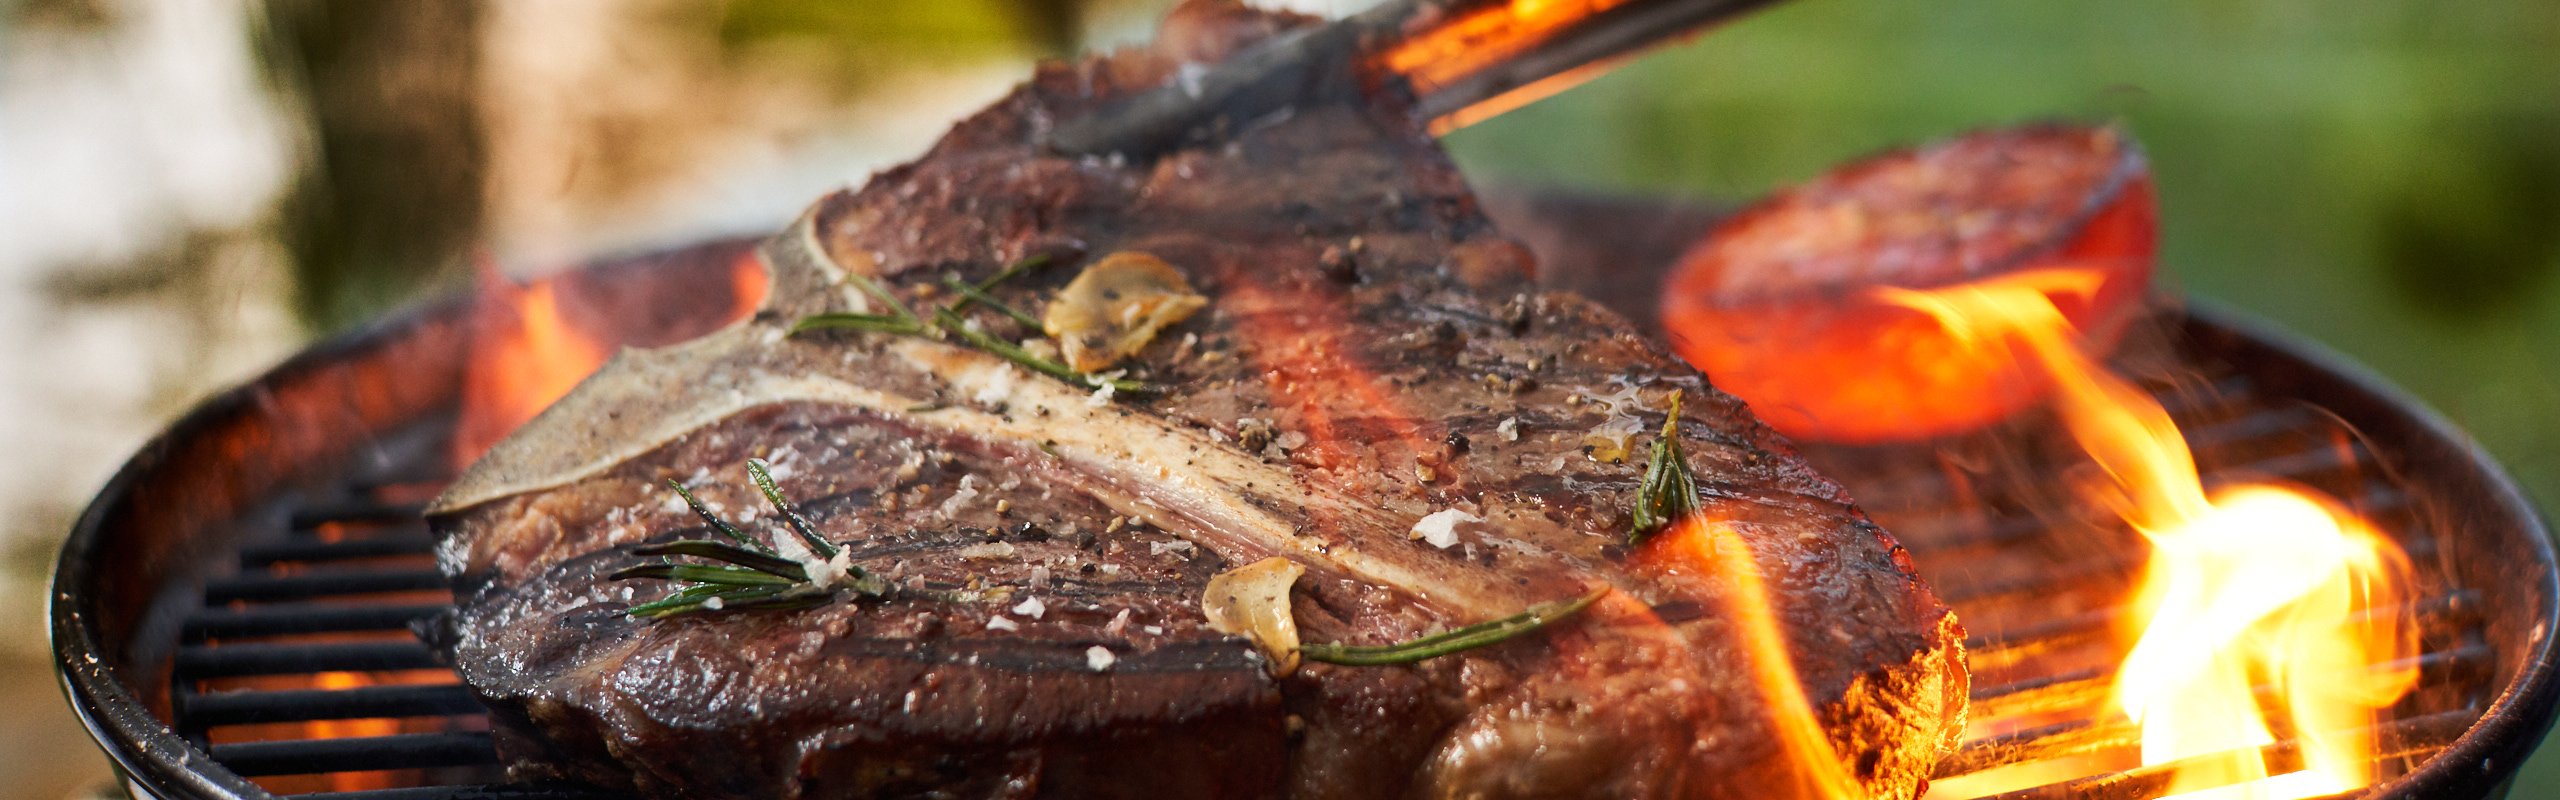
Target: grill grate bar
[[319, 551], [2087, 688], [511, 791], [2040, 743], [293, 619], [2103, 572], [354, 510], [304, 586], [1961, 526], [358, 754], [2400, 738], [230, 661], [2079, 627], [303, 705]]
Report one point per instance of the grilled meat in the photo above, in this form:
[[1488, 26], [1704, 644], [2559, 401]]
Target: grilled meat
[[1370, 353]]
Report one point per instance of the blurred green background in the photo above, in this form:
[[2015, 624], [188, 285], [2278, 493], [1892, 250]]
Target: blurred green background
[[2382, 176]]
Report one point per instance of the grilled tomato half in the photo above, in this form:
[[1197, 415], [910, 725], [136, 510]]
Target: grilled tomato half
[[1781, 304]]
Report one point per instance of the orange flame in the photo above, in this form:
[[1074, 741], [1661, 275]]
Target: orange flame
[[533, 342], [2246, 582], [1714, 549], [525, 357]]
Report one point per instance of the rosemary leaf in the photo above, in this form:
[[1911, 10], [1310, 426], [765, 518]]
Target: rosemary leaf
[[970, 293], [698, 573], [760, 578], [1441, 644], [872, 288], [799, 524], [1011, 352], [777, 602], [717, 523], [1015, 270], [722, 551], [874, 323], [698, 598], [1669, 492], [1010, 272]]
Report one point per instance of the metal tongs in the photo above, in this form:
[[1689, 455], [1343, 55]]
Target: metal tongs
[[1463, 61]]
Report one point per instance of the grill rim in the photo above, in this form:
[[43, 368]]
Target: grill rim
[[152, 756], [146, 750]]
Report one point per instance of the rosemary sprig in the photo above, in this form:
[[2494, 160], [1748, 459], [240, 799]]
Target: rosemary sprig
[[716, 551], [716, 598], [1027, 360], [757, 469], [869, 323], [1668, 492], [1454, 640], [876, 291], [749, 574], [717, 523], [1010, 272], [947, 321], [697, 573], [902, 321], [969, 293]]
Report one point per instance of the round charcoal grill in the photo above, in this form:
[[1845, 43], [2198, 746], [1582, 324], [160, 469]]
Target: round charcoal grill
[[236, 613]]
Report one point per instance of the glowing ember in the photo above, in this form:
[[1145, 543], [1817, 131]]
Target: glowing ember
[[2248, 584], [350, 728]]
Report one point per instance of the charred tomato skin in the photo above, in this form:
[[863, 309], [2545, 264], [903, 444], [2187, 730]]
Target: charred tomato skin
[[1778, 304]]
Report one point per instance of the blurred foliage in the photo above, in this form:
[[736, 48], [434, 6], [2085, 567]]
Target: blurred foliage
[[67, 14], [389, 199], [858, 38]]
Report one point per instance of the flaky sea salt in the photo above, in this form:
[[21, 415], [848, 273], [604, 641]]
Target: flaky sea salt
[[1002, 623], [1440, 528], [1031, 607], [1099, 658]]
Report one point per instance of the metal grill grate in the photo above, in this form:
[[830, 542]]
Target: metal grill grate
[[338, 591], [303, 670], [250, 677]]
